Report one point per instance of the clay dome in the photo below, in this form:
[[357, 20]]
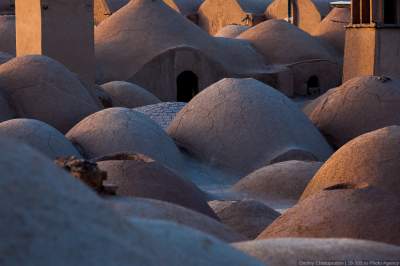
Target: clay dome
[[146, 178], [39, 87], [290, 251], [215, 126], [213, 15], [7, 34], [231, 31], [278, 184], [341, 116], [368, 160], [168, 33], [341, 212], [59, 218], [134, 208], [332, 28], [40, 136], [283, 43], [129, 95], [247, 217], [306, 14], [125, 131], [162, 113]]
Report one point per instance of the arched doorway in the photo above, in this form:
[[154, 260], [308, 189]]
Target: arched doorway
[[313, 86], [187, 85]]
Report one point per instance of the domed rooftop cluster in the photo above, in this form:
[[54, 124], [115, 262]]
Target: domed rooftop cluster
[[185, 149]]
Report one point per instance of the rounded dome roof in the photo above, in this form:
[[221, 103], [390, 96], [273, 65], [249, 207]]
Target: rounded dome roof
[[231, 31], [243, 124], [40, 136], [248, 217], [185, 7], [49, 218], [283, 43], [289, 251], [153, 28], [129, 95], [144, 208], [371, 159], [279, 183], [147, 178], [341, 114], [41, 88], [162, 113], [336, 212], [125, 131]]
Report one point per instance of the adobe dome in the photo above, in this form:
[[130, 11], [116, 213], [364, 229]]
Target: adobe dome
[[7, 34], [247, 217], [40, 136], [341, 212], [126, 131], [144, 208], [371, 159], [283, 43], [289, 251], [129, 95], [231, 31], [279, 183], [306, 14], [41, 88], [341, 114], [162, 113], [215, 126], [165, 30], [53, 219], [332, 28], [146, 178]]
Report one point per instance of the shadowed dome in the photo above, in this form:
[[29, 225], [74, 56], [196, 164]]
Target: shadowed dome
[[41, 88], [289, 251], [341, 113], [54, 219], [40, 136], [231, 31], [247, 217], [341, 212], [371, 159], [129, 95], [153, 28], [125, 131], [243, 124], [146, 178], [133, 208], [279, 183], [283, 43]]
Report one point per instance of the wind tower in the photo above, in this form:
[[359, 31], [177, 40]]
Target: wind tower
[[60, 29], [373, 39]]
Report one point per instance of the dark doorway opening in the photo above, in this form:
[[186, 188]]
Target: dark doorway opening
[[313, 86], [187, 84]]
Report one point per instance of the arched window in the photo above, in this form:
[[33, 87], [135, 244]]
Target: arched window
[[187, 84]]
